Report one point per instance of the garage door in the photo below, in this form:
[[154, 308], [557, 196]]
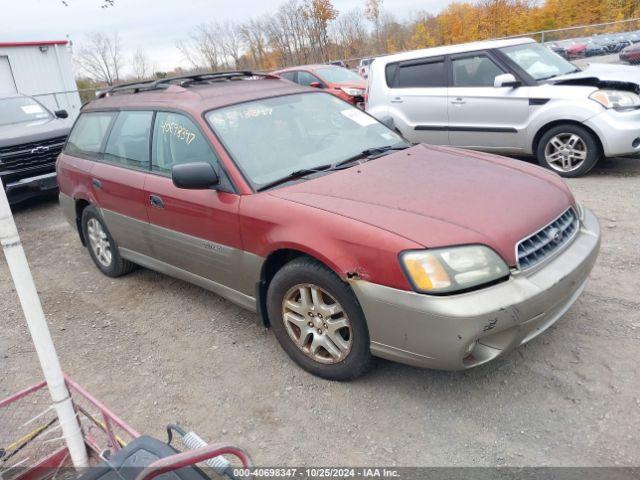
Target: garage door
[[7, 83]]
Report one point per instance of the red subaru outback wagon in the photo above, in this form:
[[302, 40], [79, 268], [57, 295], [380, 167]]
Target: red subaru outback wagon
[[349, 242]]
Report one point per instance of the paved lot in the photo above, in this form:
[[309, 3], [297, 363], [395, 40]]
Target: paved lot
[[158, 350]]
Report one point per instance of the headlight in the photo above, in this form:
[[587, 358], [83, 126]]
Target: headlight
[[616, 99], [354, 92], [446, 270]]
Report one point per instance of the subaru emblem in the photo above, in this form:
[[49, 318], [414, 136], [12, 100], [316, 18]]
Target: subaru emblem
[[554, 234]]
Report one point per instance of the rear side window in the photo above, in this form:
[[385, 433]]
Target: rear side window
[[416, 74], [477, 71], [176, 140], [128, 143], [88, 134], [289, 76], [306, 78]]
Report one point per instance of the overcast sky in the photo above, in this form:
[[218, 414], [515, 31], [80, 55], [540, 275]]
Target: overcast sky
[[153, 25]]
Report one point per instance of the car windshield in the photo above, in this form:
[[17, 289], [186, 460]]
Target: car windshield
[[539, 62], [338, 75], [273, 137], [20, 110]]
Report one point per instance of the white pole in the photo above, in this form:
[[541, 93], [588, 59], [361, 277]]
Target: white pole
[[32, 308]]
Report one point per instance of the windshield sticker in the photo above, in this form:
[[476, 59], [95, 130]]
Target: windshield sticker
[[257, 111], [32, 109], [178, 131], [359, 117]]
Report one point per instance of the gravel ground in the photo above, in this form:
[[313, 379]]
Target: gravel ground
[[158, 350]]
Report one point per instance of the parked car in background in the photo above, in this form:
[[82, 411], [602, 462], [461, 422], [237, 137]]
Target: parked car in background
[[633, 37], [613, 44], [576, 49], [557, 48], [341, 82], [31, 137], [338, 63], [345, 239], [363, 67], [595, 49], [510, 96], [631, 54]]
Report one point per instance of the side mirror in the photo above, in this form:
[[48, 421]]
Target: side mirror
[[194, 176], [61, 114], [506, 80], [315, 85]]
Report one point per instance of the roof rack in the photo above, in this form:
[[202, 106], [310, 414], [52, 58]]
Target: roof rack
[[183, 81]]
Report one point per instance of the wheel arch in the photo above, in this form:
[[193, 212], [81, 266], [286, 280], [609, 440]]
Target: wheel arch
[[274, 261], [548, 126], [81, 204]]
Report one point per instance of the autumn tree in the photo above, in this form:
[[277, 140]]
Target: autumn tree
[[253, 33], [349, 35], [307, 31], [318, 14], [373, 12]]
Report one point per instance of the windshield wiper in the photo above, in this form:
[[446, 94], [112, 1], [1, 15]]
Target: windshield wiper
[[295, 175], [370, 154], [575, 70]]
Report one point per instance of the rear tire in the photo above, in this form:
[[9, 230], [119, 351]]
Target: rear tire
[[318, 321], [569, 150], [103, 249]]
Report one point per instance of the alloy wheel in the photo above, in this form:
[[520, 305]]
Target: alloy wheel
[[317, 323], [565, 152], [99, 242]]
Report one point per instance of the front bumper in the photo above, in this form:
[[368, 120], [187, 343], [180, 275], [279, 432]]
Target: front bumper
[[618, 131], [29, 187], [436, 332]]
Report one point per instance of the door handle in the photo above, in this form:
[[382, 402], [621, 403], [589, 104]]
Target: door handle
[[458, 101], [96, 183], [397, 100], [156, 201]]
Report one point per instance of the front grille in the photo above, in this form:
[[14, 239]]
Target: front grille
[[29, 155], [545, 242]]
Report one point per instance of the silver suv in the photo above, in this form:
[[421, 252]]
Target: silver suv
[[512, 97]]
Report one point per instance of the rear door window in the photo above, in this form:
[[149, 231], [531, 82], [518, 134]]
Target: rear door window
[[306, 78], [128, 143], [291, 76], [476, 71], [426, 73], [89, 132], [176, 140]]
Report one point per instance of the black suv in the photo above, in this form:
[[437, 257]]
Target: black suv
[[31, 137]]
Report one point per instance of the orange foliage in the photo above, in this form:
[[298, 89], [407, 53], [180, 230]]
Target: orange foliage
[[465, 21]]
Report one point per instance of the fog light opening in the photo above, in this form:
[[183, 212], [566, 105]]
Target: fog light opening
[[636, 143]]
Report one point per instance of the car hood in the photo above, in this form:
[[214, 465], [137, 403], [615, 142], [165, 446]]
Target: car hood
[[26, 132], [439, 196], [602, 76]]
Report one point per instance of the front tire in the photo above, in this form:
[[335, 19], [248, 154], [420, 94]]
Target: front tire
[[317, 320], [569, 150], [101, 245]]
